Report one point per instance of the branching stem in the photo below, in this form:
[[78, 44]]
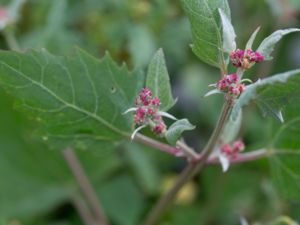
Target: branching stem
[[192, 169]]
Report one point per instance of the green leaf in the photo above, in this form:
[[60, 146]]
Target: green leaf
[[122, 201], [229, 35], [286, 143], [207, 29], [268, 44], [252, 38], [33, 174], [143, 167], [270, 94], [176, 129], [159, 82], [78, 101]]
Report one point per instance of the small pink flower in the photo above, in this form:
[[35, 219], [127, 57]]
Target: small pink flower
[[150, 112], [155, 102], [245, 59], [159, 128], [232, 151], [236, 57], [144, 97], [259, 57], [226, 149], [222, 84], [234, 91], [238, 146], [232, 78], [241, 88], [139, 117]]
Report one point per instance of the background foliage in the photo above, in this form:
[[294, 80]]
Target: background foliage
[[36, 184]]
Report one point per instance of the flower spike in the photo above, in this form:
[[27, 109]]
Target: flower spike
[[147, 113]]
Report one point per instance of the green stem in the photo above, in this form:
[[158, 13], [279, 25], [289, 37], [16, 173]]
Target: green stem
[[191, 170], [11, 40]]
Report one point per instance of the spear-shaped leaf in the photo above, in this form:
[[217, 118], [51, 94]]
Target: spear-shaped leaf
[[159, 82], [268, 44], [270, 94], [252, 38], [229, 35]]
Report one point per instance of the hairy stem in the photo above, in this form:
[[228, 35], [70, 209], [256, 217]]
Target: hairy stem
[[191, 170], [86, 187]]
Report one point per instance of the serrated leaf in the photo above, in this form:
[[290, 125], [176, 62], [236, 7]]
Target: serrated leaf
[[229, 35], [33, 174], [206, 29], [78, 101], [252, 38], [268, 44], [159, 82], [270, 94], [286, 143], [176, 129]]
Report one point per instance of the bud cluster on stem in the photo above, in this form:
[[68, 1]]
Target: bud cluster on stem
[[231, 84], [232, 151], [245, 59], [147, 113]]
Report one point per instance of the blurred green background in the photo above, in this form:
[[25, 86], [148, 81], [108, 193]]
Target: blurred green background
[[36, 184]]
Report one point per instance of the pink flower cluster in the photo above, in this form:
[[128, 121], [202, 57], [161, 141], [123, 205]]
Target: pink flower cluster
[[231, 84], [245, 59], [232, 151], [147, 112], [3, 13], [5, 18]]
